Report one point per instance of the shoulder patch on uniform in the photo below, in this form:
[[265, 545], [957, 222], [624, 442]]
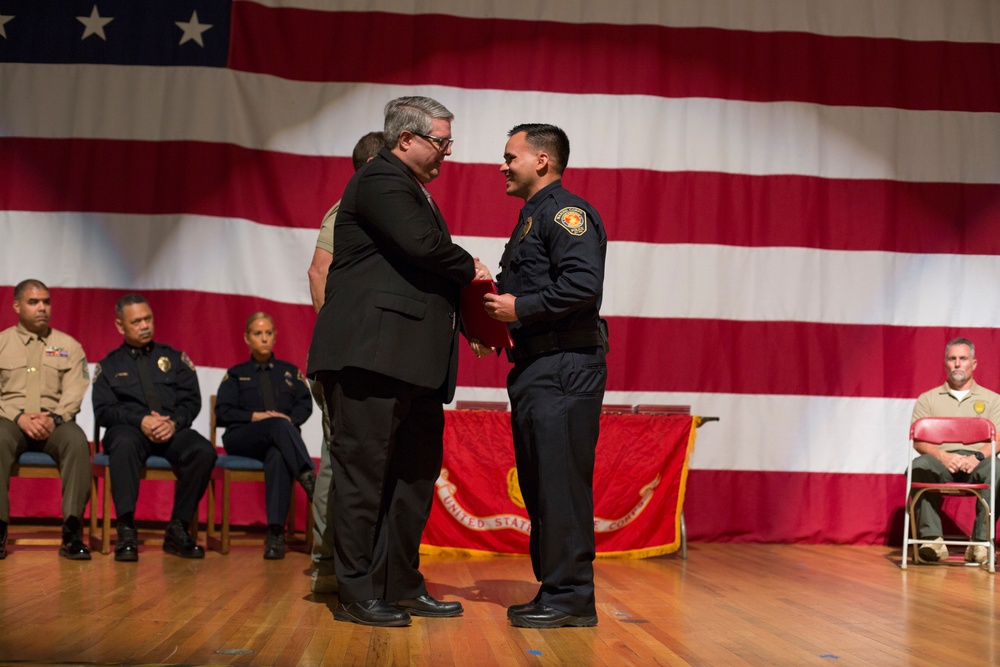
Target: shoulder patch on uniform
[[97, 371], [86, 370], [573, 220], [187, 361]]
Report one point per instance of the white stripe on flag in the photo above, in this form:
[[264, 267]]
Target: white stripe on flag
[[639, 132]]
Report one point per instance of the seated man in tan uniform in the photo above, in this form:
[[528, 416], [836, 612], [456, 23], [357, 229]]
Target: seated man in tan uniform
[[43, 378], [960, 396]]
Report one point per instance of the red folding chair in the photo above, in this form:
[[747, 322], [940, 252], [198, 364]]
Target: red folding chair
[[940, 430]]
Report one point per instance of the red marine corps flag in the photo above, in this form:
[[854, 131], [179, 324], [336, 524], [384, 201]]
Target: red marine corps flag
[[639, 481]]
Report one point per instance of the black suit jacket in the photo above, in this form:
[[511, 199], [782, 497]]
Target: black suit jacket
[[392, 290], [118, 395]]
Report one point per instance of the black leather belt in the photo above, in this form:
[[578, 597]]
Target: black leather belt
[[555, 341]]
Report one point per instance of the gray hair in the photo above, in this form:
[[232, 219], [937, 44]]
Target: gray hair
[[128, 300], [961, 341], [413, 113]]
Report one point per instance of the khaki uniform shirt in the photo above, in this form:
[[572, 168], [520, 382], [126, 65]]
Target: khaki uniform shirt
[[325, 239], [64, 375], [979, 402]]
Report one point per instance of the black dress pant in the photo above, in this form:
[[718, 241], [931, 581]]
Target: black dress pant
[[278, 443], [386, 450], [190, 454], [555, 418]]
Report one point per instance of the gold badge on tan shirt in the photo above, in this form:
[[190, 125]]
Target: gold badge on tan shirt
[[979, 407], [163, 364]]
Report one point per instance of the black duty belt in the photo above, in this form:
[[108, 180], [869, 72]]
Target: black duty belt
[[555, 341]]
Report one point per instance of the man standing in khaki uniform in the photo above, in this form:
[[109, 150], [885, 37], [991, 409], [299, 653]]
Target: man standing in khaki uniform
[[43, 378], [960, 396]]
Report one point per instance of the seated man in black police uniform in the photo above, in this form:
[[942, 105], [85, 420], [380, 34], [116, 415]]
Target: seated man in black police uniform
[[262, 403], [146, 395]]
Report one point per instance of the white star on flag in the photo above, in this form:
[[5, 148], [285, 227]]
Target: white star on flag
[[192, 29], [3, 21], [94, 24]]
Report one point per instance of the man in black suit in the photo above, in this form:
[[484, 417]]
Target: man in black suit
[[385, 349]]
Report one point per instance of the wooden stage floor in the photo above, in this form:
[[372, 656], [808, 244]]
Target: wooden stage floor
[[725, 605]]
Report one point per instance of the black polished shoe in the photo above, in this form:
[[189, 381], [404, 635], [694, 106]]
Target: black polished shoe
[[371, 612], [308, 482], [425, 605], [127, 546], [274, 543], [177, 541], [540, 616], [3, 540], [72, 546], [518, 608]]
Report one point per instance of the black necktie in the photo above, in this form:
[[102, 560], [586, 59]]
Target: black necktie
[[266, 390], [153, 401]]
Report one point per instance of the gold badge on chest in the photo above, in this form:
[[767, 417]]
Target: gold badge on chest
[[163, 364], [527, 228], [979, 407]]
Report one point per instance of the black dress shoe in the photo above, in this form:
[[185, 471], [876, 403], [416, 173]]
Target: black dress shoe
[[371, 612], [274, 543], [3, 540], [540, 616], [177, 541], [425, 605], [518, 608], [73, 547], [127, 546], [308, 482]]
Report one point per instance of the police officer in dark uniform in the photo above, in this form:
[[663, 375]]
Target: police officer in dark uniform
[[262, 403], [146, 395], [551, 283]]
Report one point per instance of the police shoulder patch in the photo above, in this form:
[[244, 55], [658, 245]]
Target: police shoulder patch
[[97, 371], [573, 220], [187, 361]]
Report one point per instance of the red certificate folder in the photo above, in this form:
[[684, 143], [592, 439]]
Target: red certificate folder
[[490, 332]]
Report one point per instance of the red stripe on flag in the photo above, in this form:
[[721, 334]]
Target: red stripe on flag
[[807, 508], [687, 355], [785, 358], [166, 177], [614, 59], [639, 205], [208, 326]]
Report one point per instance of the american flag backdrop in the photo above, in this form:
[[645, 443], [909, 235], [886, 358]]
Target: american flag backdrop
[[802, 198]]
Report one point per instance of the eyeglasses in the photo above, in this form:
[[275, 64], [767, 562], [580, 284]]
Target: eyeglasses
[[442, 143]]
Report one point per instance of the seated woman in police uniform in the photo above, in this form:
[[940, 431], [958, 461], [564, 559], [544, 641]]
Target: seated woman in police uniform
[[262, 403]]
